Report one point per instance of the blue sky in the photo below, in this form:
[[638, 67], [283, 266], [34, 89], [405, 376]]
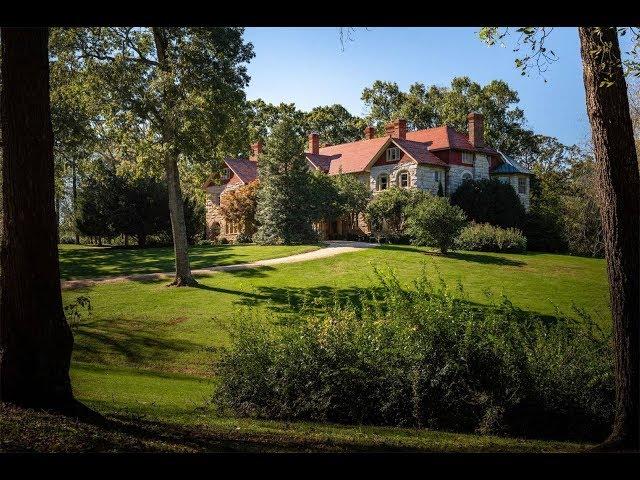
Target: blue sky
[[307, 66]]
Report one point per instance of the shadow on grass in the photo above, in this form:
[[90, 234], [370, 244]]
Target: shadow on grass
[[138, 343], [464, 256]]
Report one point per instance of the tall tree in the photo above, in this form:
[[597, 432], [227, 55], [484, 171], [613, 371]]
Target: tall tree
[[334, 124], [426, 107], [181, 87], [619, 182], [283, 211], [618, 187], [35, 338]]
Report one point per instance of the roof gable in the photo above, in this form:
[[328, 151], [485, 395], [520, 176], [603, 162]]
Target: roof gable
[[245, 169]]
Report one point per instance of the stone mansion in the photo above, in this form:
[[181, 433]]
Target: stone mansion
[[424, 159]]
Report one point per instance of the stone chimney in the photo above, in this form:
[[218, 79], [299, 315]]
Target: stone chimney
[[256, 150], [397, 128], [314, 143], [476, 129], [369, 133]]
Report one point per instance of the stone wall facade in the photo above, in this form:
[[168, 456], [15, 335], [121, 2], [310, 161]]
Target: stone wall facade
[[422, 177], [214, 215]]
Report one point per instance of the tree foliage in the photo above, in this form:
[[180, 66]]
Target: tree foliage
[[283, 212], [490, 201], [432, 106], [435, 222], [240, 206]]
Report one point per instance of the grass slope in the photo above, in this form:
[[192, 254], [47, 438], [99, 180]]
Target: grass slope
[[138, 329], [156, 412], [83, 261]]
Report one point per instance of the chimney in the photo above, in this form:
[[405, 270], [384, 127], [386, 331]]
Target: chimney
[[476, 129], [369, 133], [256, 150], [397, 128], [314, 143]]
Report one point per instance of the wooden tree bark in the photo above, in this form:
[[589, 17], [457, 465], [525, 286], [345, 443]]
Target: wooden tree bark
[[35, 338], [176, 211], [619, 191]]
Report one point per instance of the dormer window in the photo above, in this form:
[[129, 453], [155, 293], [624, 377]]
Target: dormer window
[[224, 175], [467, 157], [393, 154]]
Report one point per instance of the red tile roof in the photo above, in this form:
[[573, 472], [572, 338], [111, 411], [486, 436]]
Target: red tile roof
[[445, 137], [419, 151], [353, 157], [321, 162], [244, 168]]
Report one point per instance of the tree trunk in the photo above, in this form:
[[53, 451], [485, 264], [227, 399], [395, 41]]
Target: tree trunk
[[74, 194], [35, 338], [619, 187], [176, 211]]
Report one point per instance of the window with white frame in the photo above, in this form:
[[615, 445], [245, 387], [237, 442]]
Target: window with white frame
[[467, 176], [436, 176], [225, 174], [467, 157], [522, 185], [393, 154], [403, 179], [383, 182]]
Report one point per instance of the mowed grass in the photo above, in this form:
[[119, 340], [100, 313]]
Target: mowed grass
[[179, 407], [148, 351], [84, 261]]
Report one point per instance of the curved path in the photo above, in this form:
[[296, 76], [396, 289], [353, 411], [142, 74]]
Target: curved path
[[334, 247]]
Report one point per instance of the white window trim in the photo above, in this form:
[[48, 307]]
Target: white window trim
[[400, 174], [396, 154], [466, 175], [468, 154], [524, 183]]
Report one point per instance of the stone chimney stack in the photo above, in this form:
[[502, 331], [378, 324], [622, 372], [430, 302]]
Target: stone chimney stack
[[476, 129], [397, 128], [314, 143], [369, 133], [256, 150]]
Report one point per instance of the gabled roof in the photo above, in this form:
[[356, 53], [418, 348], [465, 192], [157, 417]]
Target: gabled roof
[[245, 169], [321, 162], [445, 137], [353, 157], [510, 166], [419, 152]]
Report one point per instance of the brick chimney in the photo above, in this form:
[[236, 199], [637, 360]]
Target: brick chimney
[[369, 133], [314, 143], [476, 129], [256, 150], [397, 128]]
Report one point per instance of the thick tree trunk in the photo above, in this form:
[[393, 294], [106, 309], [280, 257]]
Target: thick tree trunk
[[35, 338], [176, 211], [619, 191]]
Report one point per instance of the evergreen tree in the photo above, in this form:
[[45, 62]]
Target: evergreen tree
[[283, 199]]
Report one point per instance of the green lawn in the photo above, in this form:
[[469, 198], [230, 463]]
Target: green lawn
[[138, 329], [83, 261]]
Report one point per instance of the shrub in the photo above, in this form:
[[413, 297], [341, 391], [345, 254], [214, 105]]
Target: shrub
[[435, 222], [422, 357], [490, 201], [386, 212], [487, 238]]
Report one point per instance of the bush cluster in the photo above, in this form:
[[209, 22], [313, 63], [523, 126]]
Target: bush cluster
[[423, 357], [487, 238]]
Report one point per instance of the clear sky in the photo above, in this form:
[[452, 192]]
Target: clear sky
[[308, 67]]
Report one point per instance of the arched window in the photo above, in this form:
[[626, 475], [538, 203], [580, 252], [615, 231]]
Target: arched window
[[383, 182], [467, 176], [403, 179]]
